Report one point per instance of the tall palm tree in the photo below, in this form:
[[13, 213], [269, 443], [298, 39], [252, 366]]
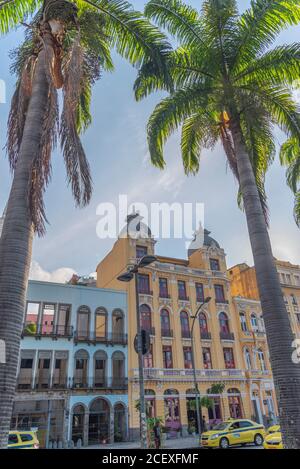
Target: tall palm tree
[[229, 85], [67, 45]]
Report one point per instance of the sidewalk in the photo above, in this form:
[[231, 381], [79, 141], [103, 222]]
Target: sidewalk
[[178, 443]]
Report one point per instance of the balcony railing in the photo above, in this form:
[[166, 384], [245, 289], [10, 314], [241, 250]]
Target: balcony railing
[[226, 335], [109, 339], [205, 335], [166, 333], [145, 292], [162, 374], [221, 301], [24, 384], [183, 298], [33, 330]]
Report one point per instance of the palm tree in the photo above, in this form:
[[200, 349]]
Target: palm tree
[[67, 45], [229, 85]]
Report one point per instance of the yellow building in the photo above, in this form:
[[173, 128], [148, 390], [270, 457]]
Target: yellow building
[[170, 291], [243, 283]]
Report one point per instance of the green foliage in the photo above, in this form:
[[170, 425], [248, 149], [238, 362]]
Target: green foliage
[[217, 388], [224, 72]]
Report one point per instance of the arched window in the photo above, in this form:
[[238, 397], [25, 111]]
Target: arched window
[[254, 323], [247, 356], [81, 369], [243, 322], [185, 326], [118, 370], [215, 410], [99, 422], [261, 360], [224, 323], [261, 324], [150, 403], [78, 423], [117, 325], [203, 323], [120, 427], [165, 323], [172, 411], [100, 369], [145, 314], [101, 324], [83, 322], [235, 403]]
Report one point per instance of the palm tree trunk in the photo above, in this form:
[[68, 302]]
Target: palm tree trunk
[[16, 246], [286, 374]]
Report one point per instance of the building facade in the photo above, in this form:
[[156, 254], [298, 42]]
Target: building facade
[[72, 377], [170, 292], [243, 283]]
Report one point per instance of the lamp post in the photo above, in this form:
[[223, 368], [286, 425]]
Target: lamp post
[[197, 396], [127, 277]]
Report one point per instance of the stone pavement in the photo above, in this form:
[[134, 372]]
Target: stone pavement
[[178, 443]]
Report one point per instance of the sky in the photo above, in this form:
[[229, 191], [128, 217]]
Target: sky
[[116, 147]]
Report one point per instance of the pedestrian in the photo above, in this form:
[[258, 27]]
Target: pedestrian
[[157, 434], [204, 425]]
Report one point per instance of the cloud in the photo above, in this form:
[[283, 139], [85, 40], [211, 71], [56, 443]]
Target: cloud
[[61, 275]]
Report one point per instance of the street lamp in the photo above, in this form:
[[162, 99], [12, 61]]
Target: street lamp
[[197, 396], [127, 277]]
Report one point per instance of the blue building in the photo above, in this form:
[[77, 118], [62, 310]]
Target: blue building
[[72, 378]]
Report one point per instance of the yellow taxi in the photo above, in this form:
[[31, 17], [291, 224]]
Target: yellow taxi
[[234, 432], [274, 439], [22, 440]]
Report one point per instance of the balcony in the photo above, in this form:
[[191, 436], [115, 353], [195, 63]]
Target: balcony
[[167, 333], [183, 298], [145, 292], [222, 301], [41, 384], [103, 383], [205, 335], [33, 330], [180, 375], [111, 338], [227, 336]]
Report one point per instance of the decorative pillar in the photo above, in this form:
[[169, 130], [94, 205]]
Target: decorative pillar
[[86, 428]]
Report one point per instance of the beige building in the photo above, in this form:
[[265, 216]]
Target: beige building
[[170, 291]]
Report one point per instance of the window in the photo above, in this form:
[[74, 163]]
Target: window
[[199, 292], [26, 363], [235, 403], [167, 356], [245, 424], [47, 319], [165, 323], [294, 299], [185, 327], [148, 358], [297, 280], [298, 318], [163, 288], [248, 359], [32, 315], [203, 323], [143, 283], [26, 437], [224, 323], [207, 363], [145, 313], [181, 290], [187, 357], [13, 439], [254, 323], [83, 322], [243, 322], [219, 293], [228, 358], [141, 251], [214, 264], [261, 360], [100, 323]]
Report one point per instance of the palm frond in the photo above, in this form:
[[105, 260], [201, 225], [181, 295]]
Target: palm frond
[[168, 115], [14, 12], [259, 26], [200, 130], [78, 171], [297, 208]]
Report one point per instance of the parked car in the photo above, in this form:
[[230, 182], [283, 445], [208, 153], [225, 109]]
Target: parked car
[[274, 439], [23, 440], [234, 432]]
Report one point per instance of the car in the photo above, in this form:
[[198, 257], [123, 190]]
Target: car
[[273, 429], [273, 441], [233, 432], [23, 440]]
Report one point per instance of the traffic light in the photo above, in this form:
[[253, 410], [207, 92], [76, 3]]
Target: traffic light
[[145, 341]]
